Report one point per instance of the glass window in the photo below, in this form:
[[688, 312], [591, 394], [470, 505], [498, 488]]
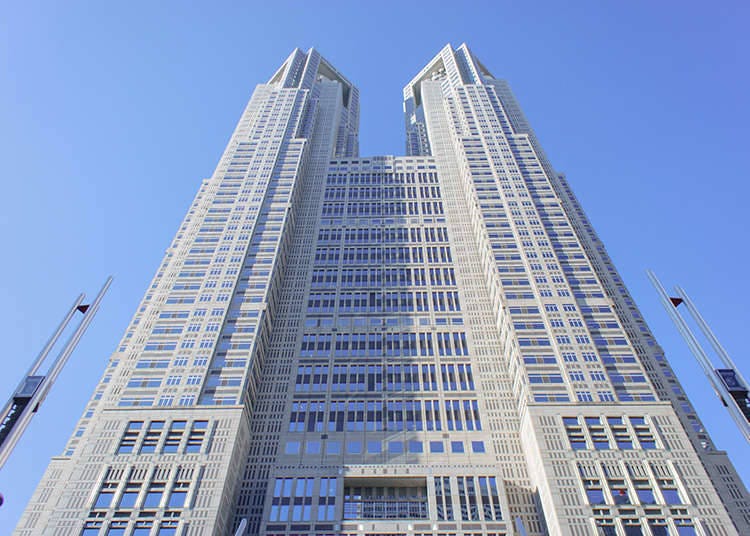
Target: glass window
[[620, 495], [415, 446], [437, 446], [395, 447], [671, 496], [192, 447], [177, 499], [477, 447], [645, 496], [154, 495], [457, 447], [595, 496], [129, 496], [658, 527], [374, 447], [385, 502], [104, 500], [633, 530]]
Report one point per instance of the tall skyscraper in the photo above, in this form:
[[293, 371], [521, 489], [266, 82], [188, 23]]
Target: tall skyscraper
[[435, 344]]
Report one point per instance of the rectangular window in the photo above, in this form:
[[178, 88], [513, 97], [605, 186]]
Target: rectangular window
[[196, 437], [153, 434], [575, 433], [154, 495], [129, 495], [127, 443], [107, 493], [178, 497], [404, 498], [669, 492], [174, 437], [594, 492]]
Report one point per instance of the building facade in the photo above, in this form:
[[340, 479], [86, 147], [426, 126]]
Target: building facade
[[435, 344]]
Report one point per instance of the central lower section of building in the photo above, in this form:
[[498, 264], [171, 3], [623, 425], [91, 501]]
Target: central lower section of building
[[391, 391], [435, 344]]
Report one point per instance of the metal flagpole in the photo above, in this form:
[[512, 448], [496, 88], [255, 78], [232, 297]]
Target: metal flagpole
[[62, 358], [720, 351], [34, 387], [8, 411], [242, 528], [702, 358], [56, 335]]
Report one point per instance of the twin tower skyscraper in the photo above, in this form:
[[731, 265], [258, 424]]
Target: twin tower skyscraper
[[436, 344]]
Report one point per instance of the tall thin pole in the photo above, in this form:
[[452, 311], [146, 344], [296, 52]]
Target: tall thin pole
[[33, 388], [42, 356], [55, 336], [718, 348], [241, 528], [684, 330], [701, 357], [62, 358]]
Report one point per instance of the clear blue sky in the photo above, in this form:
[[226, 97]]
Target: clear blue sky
[[112, 113]]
